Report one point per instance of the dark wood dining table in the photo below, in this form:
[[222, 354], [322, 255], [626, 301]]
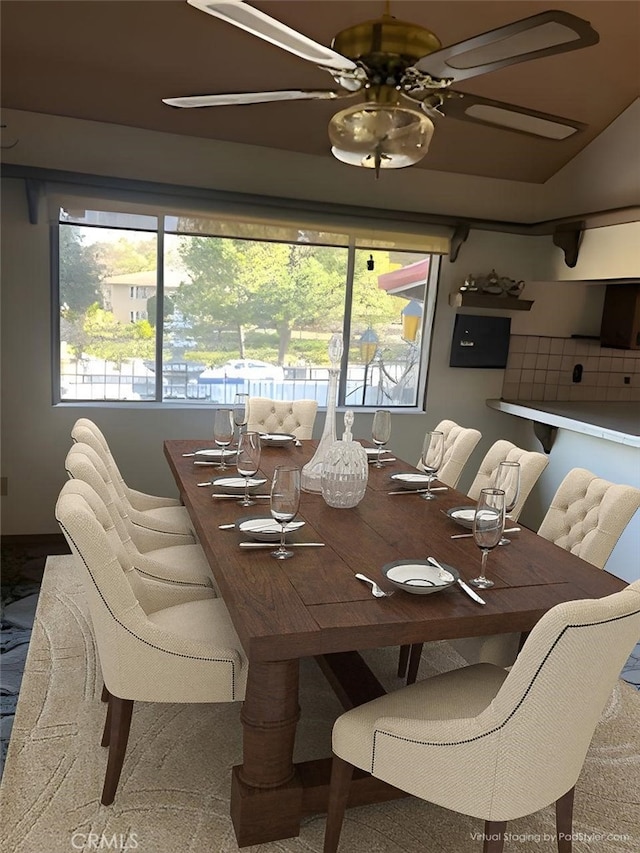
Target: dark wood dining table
[[313, 606]]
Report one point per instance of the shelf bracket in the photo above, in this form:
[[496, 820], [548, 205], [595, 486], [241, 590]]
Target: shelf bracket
[[568, 237], [545, 435], [459, 236], [34, 190]]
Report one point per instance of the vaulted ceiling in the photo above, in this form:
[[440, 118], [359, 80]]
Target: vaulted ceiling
[[113, 61]]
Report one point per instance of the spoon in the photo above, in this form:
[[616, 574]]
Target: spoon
[[443, 574], [375, 589]]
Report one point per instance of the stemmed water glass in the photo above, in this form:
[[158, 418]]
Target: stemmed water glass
[[488, 524], [223, 433], [240, 411], [285, 501], [431, 459], [381, 431], [507, 478], [248, 461]]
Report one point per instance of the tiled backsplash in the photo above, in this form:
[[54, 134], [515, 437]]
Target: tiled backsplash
[[541, 368]]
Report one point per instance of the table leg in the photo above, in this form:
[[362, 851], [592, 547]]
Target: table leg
[[266, 794]]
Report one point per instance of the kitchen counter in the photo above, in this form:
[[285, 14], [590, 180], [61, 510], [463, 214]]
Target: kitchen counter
[[618, 422]]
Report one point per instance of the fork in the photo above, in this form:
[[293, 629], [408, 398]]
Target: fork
[[375, 589]]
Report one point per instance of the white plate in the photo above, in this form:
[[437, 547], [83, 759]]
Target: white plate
[[411, 480], [418, 577], [236, 484], [275, 438], [265, 529], [214, 453], [373, 451], [463, 515]]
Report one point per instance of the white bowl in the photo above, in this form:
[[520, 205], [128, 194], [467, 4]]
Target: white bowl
[[418, 577]]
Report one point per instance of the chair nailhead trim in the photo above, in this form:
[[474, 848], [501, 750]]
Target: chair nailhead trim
[[141, 639], [506, 720]]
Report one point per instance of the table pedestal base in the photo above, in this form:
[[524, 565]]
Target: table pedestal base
[[267, 811], [260, 815]]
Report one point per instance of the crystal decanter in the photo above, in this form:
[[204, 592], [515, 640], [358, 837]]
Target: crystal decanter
[[345, 470], [312, 471]]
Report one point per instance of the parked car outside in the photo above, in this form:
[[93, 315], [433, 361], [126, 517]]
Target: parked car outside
[[244, 368]]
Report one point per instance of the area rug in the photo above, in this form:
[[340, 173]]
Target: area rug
[[174, 791]]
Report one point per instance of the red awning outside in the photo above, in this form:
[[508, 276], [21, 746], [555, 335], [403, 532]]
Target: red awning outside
[[408, 278]]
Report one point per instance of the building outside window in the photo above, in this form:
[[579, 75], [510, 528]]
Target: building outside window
[[237, 306]]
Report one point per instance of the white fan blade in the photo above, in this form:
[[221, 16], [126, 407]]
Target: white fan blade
[[258, 24], [508, 116], [540, 35], [253, 98]]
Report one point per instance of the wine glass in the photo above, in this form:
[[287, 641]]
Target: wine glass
[[488, 524], [431, 459], [285, 500], [240, 413], [381, 431], [248, 461], [507, 478], [223, 432]]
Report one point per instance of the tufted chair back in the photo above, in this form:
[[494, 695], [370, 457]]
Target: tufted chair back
[[532, 464], [155, 555], [153, 511], [282, 416], [588, 515], [85, 431], [459, 444]]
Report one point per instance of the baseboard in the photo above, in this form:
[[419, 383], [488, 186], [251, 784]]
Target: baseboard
[[55, 542]]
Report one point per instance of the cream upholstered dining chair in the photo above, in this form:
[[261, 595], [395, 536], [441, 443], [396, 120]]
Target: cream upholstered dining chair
[[493, 744], [587, 516], [155, 554], [459, 444], [157, 513], [152, 648], [532, 464], [285, 416]]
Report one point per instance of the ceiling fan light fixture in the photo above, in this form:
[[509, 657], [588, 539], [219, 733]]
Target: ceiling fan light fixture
[[377, 136]]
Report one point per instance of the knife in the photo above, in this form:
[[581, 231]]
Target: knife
[[373, 460], [419, 491], [468, 535], [239, 495], [470, 592], [276, 543]]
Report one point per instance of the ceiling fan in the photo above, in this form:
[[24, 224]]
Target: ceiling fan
[[404, 75]]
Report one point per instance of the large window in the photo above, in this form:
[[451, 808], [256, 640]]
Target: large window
[[173, 308]]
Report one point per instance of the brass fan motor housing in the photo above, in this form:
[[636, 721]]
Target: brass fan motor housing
[[375, 42]]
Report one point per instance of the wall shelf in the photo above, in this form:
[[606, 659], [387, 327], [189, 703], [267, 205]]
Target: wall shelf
[[486, 300]]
